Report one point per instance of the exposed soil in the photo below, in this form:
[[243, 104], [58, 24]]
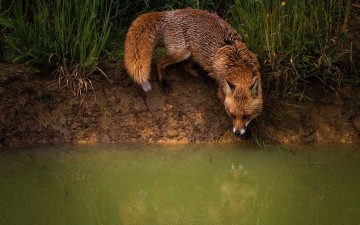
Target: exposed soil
[[31, 113]]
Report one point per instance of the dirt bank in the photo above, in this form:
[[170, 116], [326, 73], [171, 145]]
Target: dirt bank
[[33, 114]]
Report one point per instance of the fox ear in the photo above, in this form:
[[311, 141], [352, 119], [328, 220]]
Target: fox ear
[[255, 88], [229, 87]]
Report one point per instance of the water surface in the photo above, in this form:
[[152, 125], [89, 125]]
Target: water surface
[[186, 184]]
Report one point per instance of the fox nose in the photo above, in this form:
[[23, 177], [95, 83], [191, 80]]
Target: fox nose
[[237, 132]]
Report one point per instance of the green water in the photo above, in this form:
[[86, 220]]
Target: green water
[[187, 184]]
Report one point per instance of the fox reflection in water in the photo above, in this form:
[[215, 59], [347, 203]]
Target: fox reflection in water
[[226, 200]]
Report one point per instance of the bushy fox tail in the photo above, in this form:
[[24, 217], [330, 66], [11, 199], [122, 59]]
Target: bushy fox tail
[[141, 39]]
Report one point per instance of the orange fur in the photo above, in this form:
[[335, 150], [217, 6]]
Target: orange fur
[[208, 41]]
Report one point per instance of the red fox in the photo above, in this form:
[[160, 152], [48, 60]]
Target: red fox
[[207, 40]]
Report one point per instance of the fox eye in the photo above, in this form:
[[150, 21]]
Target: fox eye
[[232, 116], [245, 117], [232, 86]]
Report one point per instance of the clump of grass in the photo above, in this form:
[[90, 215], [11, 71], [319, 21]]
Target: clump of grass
[[268, 147], [67, 34], [295, 40], [5, 22]]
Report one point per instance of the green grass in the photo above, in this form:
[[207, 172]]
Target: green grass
[[295, 40], [268, 147], [66, 34]]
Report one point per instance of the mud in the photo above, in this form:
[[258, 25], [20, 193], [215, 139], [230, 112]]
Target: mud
[[33, 113]]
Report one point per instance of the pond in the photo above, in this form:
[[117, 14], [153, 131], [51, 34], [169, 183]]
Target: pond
[[180, 184]]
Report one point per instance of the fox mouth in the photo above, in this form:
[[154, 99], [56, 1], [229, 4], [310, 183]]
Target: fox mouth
[[241, 132]]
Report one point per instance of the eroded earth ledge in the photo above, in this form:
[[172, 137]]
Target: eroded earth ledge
[[31, 113]]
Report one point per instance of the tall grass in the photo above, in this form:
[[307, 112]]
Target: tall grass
[[66, 34], [5, 23], [296, 40]]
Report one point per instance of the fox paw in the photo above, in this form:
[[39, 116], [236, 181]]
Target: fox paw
[[166, 86]]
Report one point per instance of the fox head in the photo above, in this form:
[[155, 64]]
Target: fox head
[[237, 71], [243, 102]]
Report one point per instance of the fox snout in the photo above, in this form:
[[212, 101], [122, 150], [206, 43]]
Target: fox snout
[[240, 127], [238, 132]]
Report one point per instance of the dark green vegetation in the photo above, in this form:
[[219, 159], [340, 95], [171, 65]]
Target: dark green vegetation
[[66, 35], [296, 41]]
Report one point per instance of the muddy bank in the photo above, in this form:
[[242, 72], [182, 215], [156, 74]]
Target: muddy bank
[[31, 113]]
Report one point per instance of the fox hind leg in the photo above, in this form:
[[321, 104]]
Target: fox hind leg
[[166, 61], [195, 70], [188, 67]]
